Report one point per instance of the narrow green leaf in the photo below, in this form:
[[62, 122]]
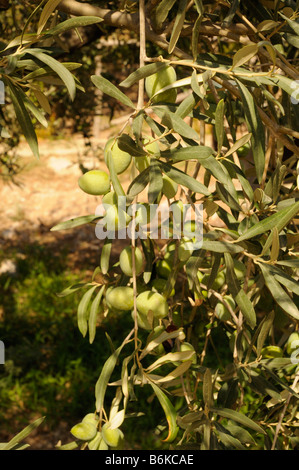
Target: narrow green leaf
[[102, 382], [162, 11], [227, 196], [227, 439], [143, 72], [127, 144], [171, 358], [187, 105], [149, 253], [73, 288], [219, 124], [284, 279], [292, 263], [48, 9], [195, 36], [279, 220], [239, 143], [23, 434], [195, 86], [139, 183], [185, 180], [264, 387], [94, 310], [155, 181], [239, 418], [23, 118], [178, 25], [76, 222], [220, 173], [164, 336], [177, 372], [169, 411], [244, 54], [113, 175], [207, 388], [255, 127], [278, 293], [196, 152], [105, 255], [111, 90], [275, 245], [242, 434], [292, 23], [231, 13], [238, 293], [173, 121], [82, 310], [72, 23], [264, 332], [221, 247], [35, 111], [228, 394], [43, 100], [58, 68], [40, 72]]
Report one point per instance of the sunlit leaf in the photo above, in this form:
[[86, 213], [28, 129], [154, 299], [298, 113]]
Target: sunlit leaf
[[239, 418], [169, 411], [76, 222], [111, 90], [278, 293], [82, 310]]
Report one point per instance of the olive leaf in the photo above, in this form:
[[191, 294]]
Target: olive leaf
[[109, 89], [82, 310], [238, 292], [169, 411]]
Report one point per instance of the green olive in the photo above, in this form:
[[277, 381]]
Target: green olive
[[152, 301], [159, 80], [188, 347], [293, 342], [185, 249], [84, 431], [113, 437], [239, 269], [141, 163], [269, 352], [159, 284], [90, 418], [165, 265], [120, 298], [126, 261], [170, 187], [95, 182], [221, 311], [116, 218], [121, 160], [142, 321], [244, 150], [110, 198]]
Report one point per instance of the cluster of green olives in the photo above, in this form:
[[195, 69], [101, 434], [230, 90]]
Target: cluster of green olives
[[107, 439]]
